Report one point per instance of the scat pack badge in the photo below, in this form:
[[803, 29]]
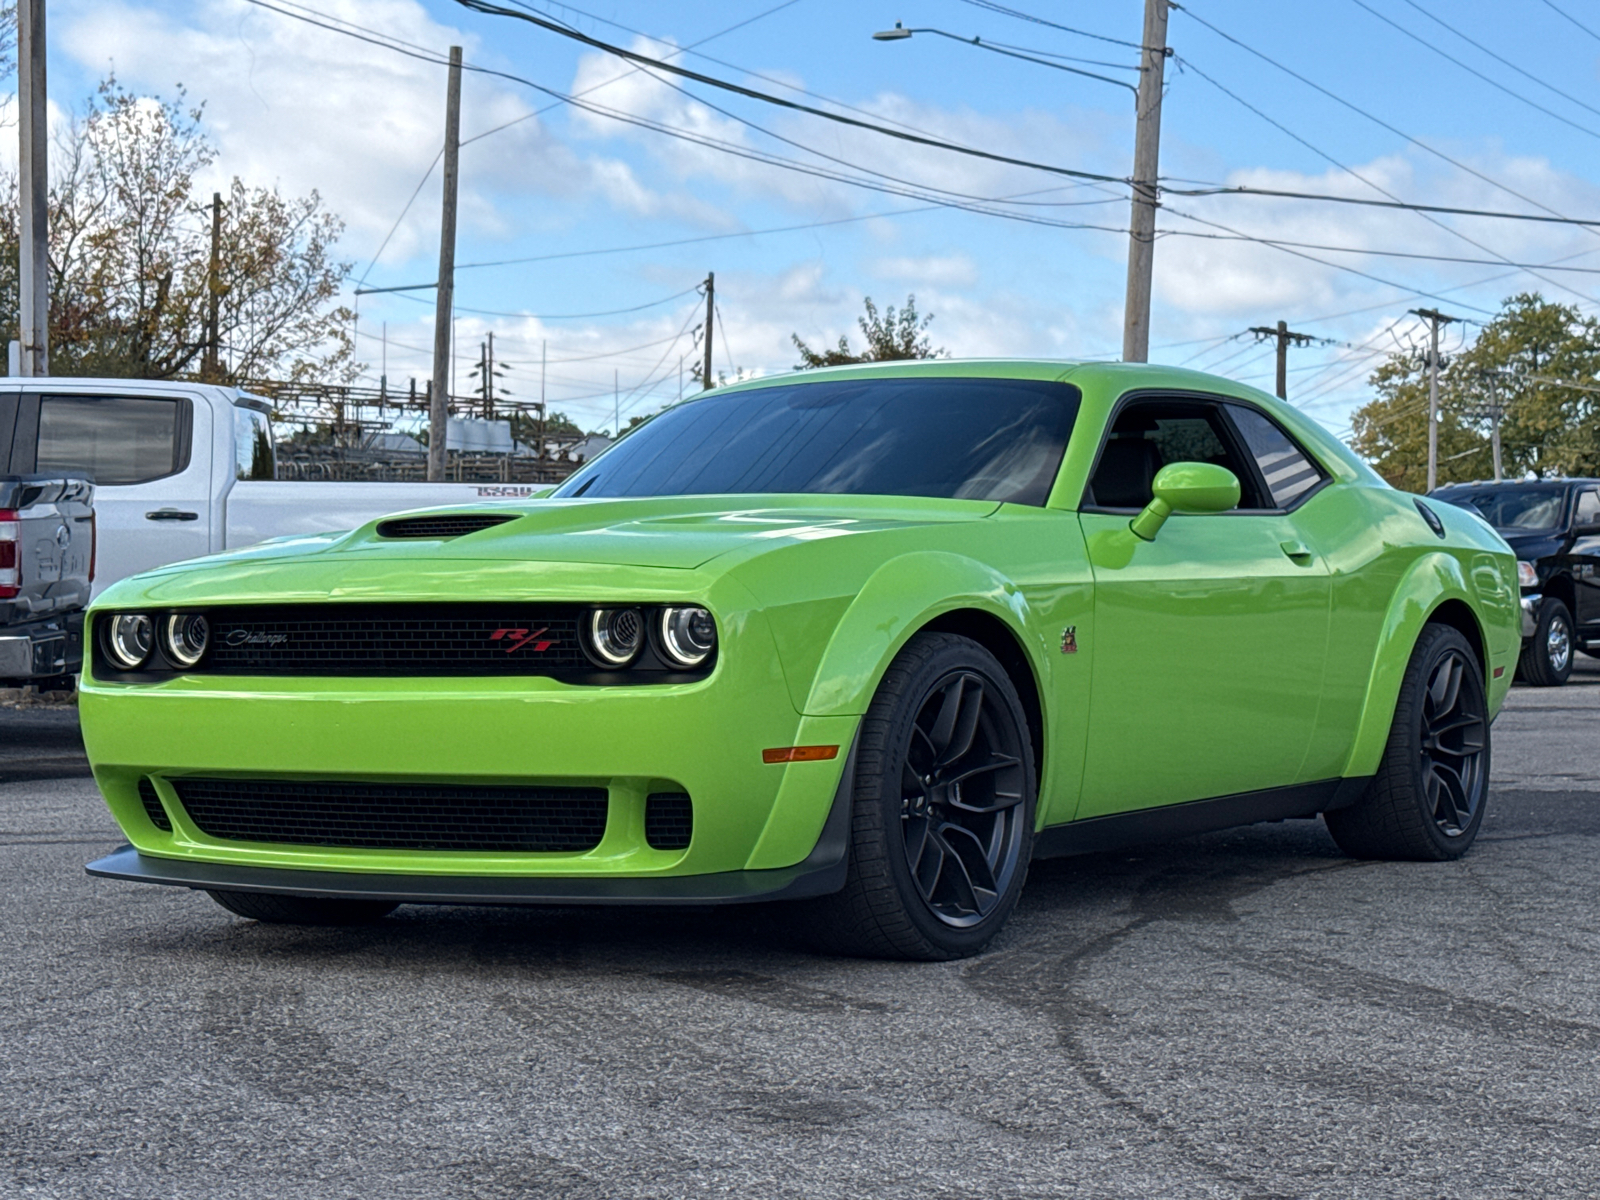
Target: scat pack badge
[[1069, 640]]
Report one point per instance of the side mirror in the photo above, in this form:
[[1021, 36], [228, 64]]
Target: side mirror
[[1186, 487]]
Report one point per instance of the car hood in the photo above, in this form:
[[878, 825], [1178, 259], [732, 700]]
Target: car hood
[[583, 536], [1530, 547], [674, 532]]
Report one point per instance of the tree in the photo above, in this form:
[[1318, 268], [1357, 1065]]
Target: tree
[[1547, 429], [890, 337], [130, 255]]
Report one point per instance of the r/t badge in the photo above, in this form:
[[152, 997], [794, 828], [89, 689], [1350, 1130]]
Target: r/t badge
[[1069, 640]]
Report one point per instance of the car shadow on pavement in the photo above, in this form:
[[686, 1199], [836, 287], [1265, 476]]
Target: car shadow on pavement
[[1196, 879]]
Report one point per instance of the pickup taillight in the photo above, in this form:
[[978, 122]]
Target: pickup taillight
[[10, 559]]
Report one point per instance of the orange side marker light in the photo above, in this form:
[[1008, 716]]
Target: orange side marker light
[[788, 754]]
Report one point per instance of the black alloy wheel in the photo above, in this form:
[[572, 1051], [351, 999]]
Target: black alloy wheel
[[1455, 738], [943, 807], [1427, 801], [961, 800]]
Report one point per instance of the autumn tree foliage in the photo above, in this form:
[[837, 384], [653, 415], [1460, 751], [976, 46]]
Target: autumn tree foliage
[[1534, 359], [890, 335], [130, 256]]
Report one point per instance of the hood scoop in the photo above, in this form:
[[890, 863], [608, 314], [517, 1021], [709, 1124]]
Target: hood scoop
[[442, 525]]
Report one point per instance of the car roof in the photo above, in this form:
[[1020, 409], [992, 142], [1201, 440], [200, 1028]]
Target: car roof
[[1481, 485]]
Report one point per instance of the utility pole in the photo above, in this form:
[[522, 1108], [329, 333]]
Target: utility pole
[[33, 331], [544, 412], [443, 344], [711, 295], [1435, 318], [1146, 158], [488, 378], [211, 364], [1283, 335]]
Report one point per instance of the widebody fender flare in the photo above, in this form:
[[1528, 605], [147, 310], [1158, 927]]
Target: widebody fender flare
[[1430, 581], [898, 599]]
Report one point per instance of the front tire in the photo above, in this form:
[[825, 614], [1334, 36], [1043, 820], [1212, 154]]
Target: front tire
[[274, 909], [1427, 801], [944, 800], [1547, 656]]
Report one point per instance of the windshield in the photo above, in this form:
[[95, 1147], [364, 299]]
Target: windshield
[[1517, 509], [974, 439]]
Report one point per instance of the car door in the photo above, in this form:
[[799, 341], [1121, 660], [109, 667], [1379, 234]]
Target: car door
[[149, 456], [1210, 641], [1586, 561]]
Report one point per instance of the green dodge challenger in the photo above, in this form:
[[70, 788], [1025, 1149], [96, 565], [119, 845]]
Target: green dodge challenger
[[865, 640]]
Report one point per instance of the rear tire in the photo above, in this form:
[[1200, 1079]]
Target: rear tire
[[944, 800], [274, 909], [1547, 656], [1427, 801]]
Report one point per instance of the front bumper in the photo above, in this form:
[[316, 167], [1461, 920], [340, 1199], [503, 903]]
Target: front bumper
[[704, 738], [42, 649], [820, 873], [1530, 614]]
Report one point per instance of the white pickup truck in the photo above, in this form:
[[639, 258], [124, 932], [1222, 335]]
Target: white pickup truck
[[186, 469]]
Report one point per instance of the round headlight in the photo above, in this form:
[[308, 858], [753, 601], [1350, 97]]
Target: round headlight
[[615, 635], [185, 638], [130, 639], [688, 635]]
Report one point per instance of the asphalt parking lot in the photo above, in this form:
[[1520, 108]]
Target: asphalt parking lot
[[1247, 1014]]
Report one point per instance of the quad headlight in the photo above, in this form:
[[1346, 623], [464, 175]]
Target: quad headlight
[[687, 634], [614, 635], [679, 637], [185, 637], [130, 639]]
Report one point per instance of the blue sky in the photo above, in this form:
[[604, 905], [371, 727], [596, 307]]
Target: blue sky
[[292, 104]]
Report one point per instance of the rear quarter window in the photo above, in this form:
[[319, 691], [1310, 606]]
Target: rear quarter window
[[1288, 472]]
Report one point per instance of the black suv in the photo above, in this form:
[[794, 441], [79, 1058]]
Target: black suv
[[1554, 527]]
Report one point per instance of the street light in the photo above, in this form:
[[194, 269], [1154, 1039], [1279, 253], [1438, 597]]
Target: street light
[[900, 33], [1153, 53]]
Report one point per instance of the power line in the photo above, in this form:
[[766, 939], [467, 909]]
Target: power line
[[1349, 170], [1022, 16], [496, 10], [1379, 121], [1471, 70], [1312, 258], [527, 316], [1280, 193], [1500, 58], [1573, 19]]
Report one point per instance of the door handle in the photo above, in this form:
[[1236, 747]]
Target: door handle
[[1297, 552], [171, 514]]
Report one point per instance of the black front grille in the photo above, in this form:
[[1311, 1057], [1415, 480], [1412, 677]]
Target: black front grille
[[396, 639], [397, 816], [152, 805], [447, 525], [668, 820]]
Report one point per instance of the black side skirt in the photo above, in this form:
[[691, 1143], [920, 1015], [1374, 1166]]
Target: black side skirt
[[1094, 834], [821, 873]]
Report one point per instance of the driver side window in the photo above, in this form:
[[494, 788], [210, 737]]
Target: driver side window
[[1148, 434]]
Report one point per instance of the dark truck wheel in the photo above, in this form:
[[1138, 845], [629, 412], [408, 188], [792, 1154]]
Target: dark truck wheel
[[943, 820], [1547, 656], [302, 910], [1426, 802]]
